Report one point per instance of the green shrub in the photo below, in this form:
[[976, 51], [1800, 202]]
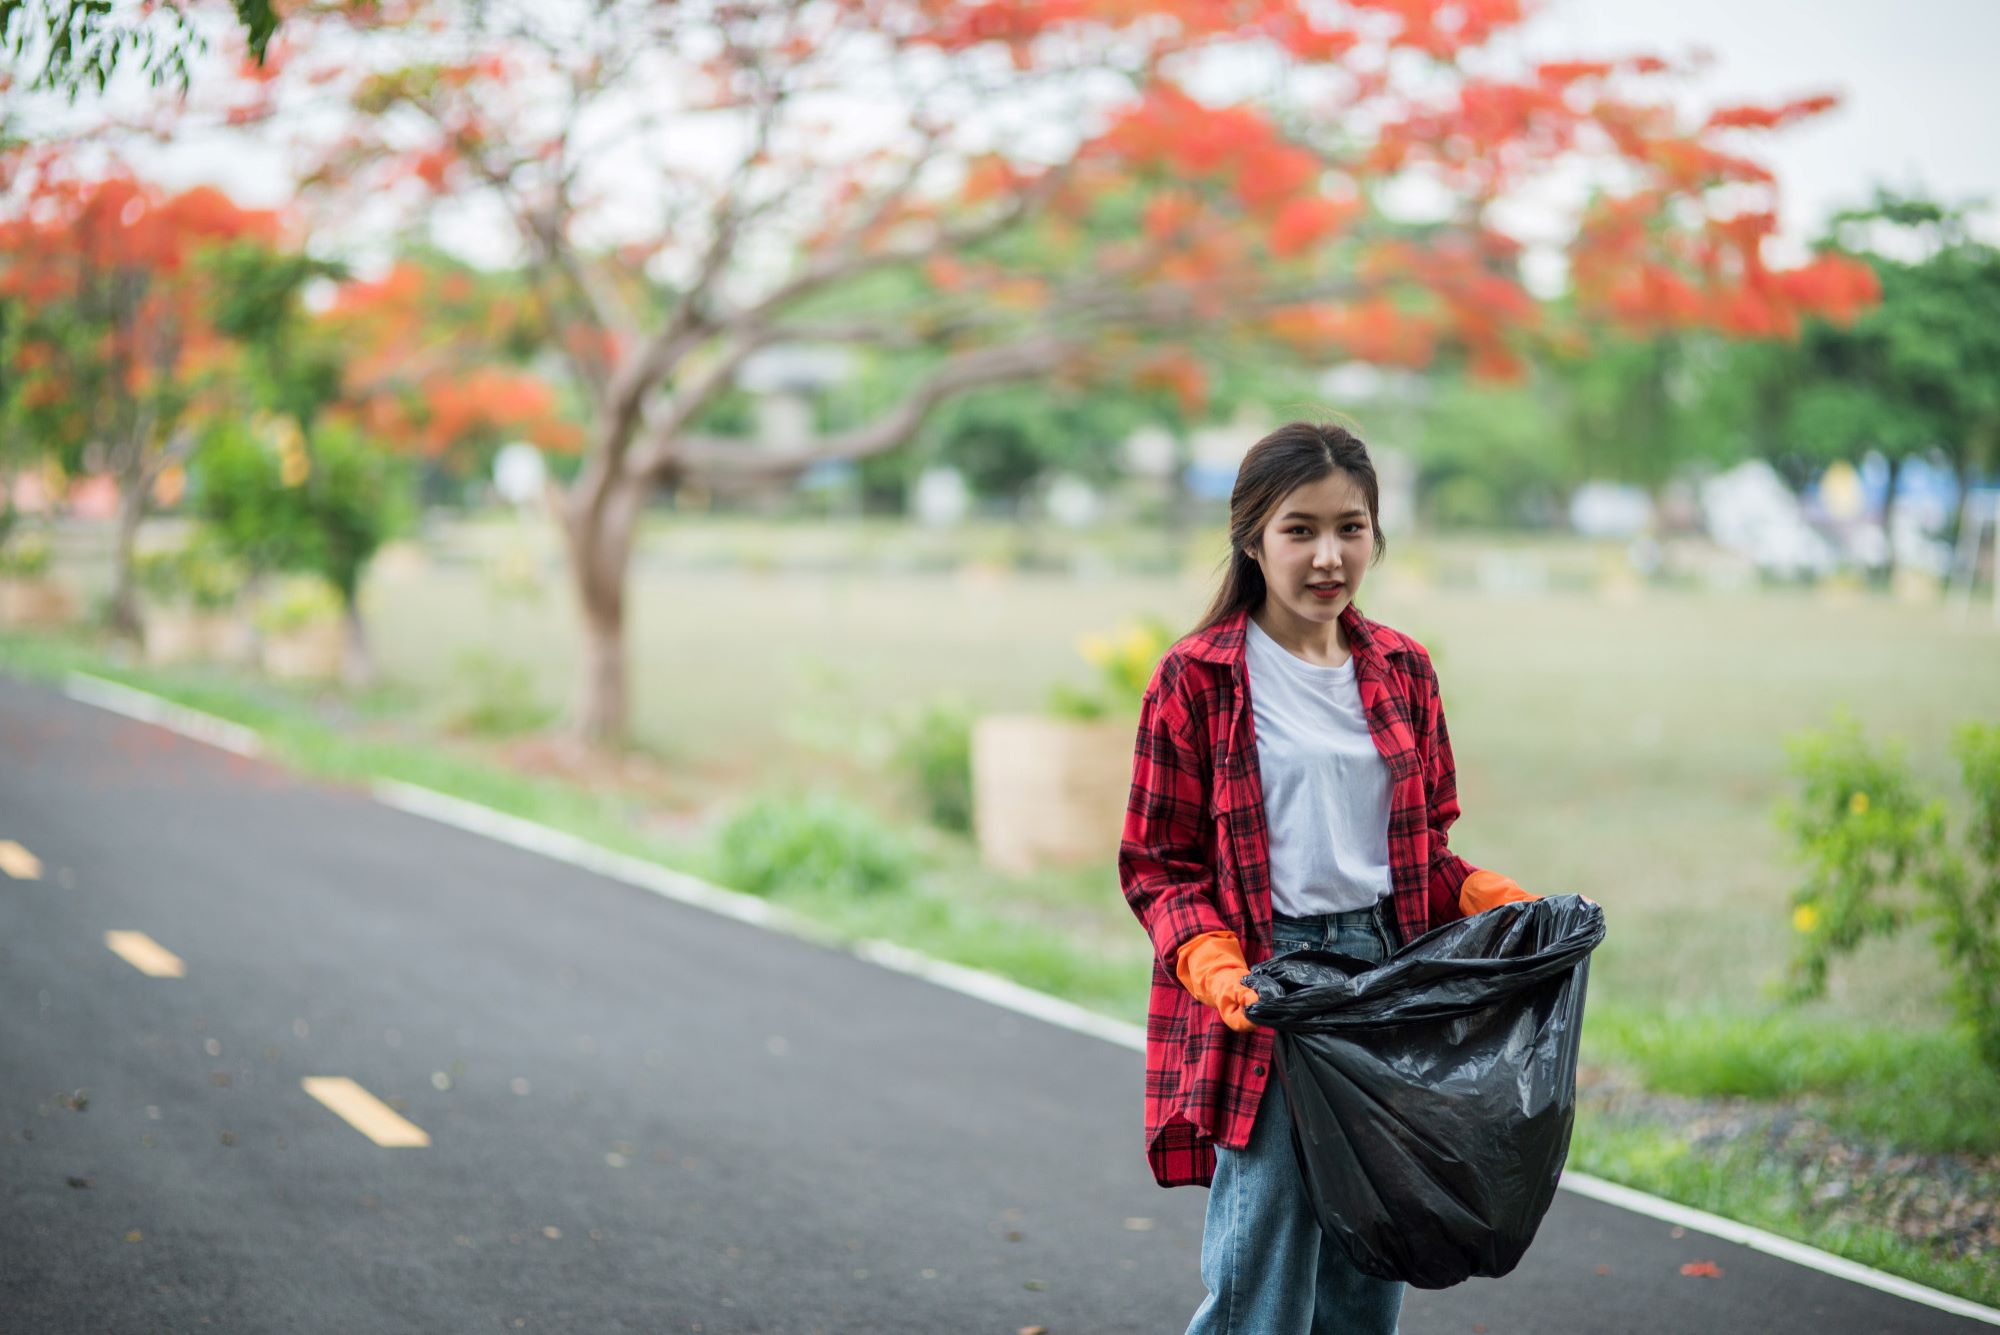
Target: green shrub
[[25, 558], [934, 752], [1879, 858], [199, 574], [300, 602], [498, 697], [816, 843], [283, 502]]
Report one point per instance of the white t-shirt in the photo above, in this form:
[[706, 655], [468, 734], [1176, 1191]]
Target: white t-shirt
[[1326, 787]]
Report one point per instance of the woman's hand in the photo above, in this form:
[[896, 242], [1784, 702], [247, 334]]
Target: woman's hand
[[1232, 1005], [1211, 968]]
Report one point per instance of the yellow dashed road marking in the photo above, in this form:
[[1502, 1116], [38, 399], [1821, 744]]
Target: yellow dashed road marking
[[145, 954], [364, 1112], [18, 862]]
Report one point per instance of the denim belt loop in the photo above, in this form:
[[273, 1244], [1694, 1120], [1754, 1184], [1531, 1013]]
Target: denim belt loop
[[1385, 921]]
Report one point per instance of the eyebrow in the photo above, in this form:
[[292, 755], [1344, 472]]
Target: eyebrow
[[1345, 514]]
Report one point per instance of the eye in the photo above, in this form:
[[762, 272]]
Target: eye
[[1297, 528]]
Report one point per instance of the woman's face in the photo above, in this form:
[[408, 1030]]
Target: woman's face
[[1316, 547]]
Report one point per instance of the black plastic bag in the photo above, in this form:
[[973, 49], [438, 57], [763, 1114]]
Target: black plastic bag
[[1432, 1095]]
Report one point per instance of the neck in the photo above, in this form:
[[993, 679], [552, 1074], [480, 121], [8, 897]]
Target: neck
[[1308, 639]]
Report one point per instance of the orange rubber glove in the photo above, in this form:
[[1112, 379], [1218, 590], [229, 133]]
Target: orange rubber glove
[[1211, 967], [1485, 890]]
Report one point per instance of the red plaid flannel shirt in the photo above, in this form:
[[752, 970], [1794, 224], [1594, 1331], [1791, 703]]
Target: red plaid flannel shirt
[[1195, 858]]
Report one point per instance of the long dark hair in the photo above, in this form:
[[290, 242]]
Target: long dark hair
[[1293, 456]]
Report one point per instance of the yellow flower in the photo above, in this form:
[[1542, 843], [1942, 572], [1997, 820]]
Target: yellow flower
[[1858, 804], [1138, 643], [1804, 918], [1096, 649], [294, 468]]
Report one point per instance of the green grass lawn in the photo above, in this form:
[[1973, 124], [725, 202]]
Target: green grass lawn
[[1632, 751]]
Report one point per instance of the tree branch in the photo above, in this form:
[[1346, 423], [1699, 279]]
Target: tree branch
[[701, 457], [849, 261]]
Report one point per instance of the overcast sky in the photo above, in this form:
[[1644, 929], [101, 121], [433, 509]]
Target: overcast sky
[[1921, 89], [1921, 96]]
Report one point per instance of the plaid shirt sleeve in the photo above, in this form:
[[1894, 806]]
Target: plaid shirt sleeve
[[1448, 870], [1164, 862]]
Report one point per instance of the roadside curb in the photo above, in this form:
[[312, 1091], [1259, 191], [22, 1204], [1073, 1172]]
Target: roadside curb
[[683, 888]]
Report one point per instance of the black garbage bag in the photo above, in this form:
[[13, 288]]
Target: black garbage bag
[[1432, 1095]]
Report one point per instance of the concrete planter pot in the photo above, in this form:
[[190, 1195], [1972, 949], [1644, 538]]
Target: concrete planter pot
[[310, 653], [176, 635], [1049, 791], [35, 601], [232, 639], [182, 634]]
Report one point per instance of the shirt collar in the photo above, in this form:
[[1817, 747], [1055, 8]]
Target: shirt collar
[[1225, 641]]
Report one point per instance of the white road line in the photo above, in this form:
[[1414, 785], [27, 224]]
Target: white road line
[[18, 862], [988, 987], [152, 709], [145, 954], [365, 1113]]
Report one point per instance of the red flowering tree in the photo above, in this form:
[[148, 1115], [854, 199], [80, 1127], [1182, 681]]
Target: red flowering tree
[[432, 365], [116, 338], [1012, 189]]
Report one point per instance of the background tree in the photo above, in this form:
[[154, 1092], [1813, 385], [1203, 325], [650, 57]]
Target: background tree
[[1078, 187], [1919, 371], [438, 365], [283, 481], [18, 451], [325, 506], [116, 342], [80, 44]]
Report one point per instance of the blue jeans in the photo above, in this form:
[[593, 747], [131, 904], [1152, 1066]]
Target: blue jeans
[[1268, 1268]]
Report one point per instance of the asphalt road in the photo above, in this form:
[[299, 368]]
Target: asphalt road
[[640, 1116]]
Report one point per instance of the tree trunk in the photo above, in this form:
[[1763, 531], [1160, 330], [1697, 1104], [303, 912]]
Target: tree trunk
[[600, 552], [124, 611], [357, 662]]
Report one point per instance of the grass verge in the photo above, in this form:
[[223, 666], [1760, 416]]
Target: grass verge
[[1924, 1092], [1752, 1179]]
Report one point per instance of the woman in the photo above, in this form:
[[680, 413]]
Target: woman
[[1291, 787]]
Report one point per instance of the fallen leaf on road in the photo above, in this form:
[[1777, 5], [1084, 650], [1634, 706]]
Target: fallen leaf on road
[[1033, 1330], [1704, 1269], [1138, 1225], [133, 1236], [78, 1181], [1604, 1270], [1035, 1284], [1677, 1232]]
